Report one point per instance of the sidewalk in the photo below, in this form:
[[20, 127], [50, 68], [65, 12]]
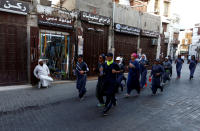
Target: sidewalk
[[18, 98], [28, 86]]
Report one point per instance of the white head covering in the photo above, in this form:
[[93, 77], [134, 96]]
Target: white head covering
[[118, 58], [145, 57], [40, 60]]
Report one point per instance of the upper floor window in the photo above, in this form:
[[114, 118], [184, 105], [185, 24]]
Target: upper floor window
[[166, 9], [124, 2]]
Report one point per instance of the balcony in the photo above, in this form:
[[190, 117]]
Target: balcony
[[166, 34], [166, 40], [175, 42], [168, 1]]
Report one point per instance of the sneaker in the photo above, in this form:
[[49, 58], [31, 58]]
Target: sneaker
[[105, 114], [82, 98], [100, 105], [127, 95]]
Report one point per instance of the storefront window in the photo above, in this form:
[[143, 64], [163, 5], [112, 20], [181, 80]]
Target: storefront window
[[54, 47]]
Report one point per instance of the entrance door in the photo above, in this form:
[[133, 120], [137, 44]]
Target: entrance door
[[164, 47], [13, 49], [34, 40], [95, 43], [125, 45], [148, 49]]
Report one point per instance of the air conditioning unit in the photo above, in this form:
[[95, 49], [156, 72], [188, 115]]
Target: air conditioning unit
[[166, 40], [154, 42]]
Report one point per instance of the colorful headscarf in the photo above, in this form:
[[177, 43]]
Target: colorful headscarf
[[134, 55]]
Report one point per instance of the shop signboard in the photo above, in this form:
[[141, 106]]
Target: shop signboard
[[95, 19], [48, 20], [126, 29], [13, 6], [150, 33]]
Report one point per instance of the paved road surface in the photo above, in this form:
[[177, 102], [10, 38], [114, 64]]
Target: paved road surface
[[58, 109]]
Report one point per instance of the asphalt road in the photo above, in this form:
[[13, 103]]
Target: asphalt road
[[59, 109]]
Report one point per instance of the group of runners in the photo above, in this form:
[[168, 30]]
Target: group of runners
[[111, 76]]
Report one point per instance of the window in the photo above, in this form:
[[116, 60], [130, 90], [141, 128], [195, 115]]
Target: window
[[124, 2], [156, 9], [166, 9]]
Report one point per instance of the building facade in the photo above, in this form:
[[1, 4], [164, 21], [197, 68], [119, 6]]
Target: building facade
[[58, 33], [194, 48], [185, 39]]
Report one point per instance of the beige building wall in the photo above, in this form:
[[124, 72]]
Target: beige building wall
[[69, 4], [129, 16]]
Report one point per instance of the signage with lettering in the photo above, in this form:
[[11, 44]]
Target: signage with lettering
[[127, 29], [95, 19], [55, 21], [14, 6], [150, 33]]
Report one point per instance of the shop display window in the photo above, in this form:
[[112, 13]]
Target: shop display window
[[54, 47]]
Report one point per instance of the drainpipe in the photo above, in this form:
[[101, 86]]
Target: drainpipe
[[112, 36], [138, 42]]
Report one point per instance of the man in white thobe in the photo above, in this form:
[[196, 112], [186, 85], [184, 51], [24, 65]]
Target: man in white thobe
[[42, 72]]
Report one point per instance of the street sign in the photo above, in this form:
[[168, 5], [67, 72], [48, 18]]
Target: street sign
[[13, 6]]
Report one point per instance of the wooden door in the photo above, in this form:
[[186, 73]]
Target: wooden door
[[95, 43], [13, 49], [125, 45], [34, 54], [148, 49]]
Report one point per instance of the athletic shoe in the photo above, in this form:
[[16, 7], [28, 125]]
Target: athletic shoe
[[100, 105], [105, 114], [127, 95], [82, 98]]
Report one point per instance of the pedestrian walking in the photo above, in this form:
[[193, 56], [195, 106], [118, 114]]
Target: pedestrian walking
[[167, 66], [110, 71], [133, 75], [192, 66], [179, 62], [143, 70], [42, 73], [81, 73], [120, 76], [156, 74], [171, 61], [122, 61], [99, 88]]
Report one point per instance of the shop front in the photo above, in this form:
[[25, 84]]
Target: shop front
[[13, 42], [126, 39], [95, 36], [148, 44], [55, 44]]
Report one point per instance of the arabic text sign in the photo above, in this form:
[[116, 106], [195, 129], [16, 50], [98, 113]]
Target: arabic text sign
[[55, 21], [150, 33], [127, 29], [14, 6], [95, 19]]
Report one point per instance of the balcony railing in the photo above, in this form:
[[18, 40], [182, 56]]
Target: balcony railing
[[175, 42]]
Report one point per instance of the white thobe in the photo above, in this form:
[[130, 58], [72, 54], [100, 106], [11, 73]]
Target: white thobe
[[42, 72]]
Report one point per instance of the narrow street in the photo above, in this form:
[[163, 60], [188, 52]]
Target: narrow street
[[58, 109]]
